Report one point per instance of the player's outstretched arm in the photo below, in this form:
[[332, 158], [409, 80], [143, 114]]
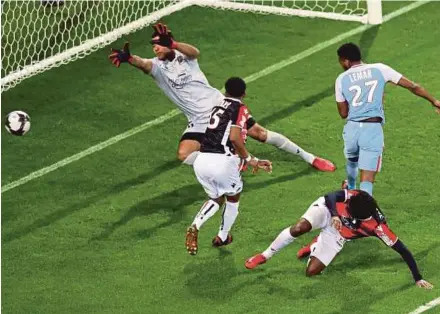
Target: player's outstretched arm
[[123, 55], [165, 38], [237, 140], [400, 248], [142, 64], [418, 90], [188, 50]]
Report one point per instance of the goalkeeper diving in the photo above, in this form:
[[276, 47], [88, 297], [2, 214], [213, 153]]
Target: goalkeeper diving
[[177, 73]]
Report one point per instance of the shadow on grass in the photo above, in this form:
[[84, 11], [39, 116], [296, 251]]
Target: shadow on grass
[[64, 212], [143, 208], [171, 203]]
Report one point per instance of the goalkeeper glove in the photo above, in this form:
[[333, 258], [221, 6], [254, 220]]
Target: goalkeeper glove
[[119, 56], [162, 36]]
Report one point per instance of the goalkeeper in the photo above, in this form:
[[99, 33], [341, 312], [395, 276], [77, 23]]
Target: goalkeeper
[[177, 73]]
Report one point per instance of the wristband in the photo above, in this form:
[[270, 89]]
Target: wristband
[[248, 158]]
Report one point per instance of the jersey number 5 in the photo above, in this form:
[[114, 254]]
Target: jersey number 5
[[358, 92], [215, 118]]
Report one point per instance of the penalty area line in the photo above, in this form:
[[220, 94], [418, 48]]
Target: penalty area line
[[253, 77]]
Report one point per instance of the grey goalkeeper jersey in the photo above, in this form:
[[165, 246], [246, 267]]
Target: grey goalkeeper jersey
[[185, 85]]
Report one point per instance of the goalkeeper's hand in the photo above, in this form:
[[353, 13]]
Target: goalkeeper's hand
[[162, 36], [119, 56]]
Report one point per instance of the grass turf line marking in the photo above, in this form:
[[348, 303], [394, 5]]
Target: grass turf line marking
[[427, 306], [269, 70]]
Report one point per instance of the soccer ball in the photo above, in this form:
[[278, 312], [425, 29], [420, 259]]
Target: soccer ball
[[18, 123]]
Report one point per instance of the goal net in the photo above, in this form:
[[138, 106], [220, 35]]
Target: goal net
[[37, 35]]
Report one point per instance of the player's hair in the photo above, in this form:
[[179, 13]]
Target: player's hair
[[235, 87], [350, 52], [362, 205]]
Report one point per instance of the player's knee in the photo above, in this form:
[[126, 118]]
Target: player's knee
[[262, 135], [312, 270], [296, 230], [354, 159], [301, 227], [182, 154]]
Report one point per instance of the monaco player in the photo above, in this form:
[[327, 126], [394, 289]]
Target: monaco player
[[217, 167], [176, 71], [341, 216], [359, 94]]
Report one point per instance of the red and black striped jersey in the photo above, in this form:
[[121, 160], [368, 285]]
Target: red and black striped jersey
[[352, 228], [231, 112]]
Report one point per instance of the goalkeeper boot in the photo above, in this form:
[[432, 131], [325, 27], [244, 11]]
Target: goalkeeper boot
[[217, 241], [254, 261], [191, 240], [323, 164]]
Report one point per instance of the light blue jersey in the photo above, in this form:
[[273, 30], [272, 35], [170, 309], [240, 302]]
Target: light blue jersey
[[362, 86]]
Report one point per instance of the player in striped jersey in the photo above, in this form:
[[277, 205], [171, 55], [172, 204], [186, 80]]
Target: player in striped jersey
[[177, 73], [217, 168], [341, 216]]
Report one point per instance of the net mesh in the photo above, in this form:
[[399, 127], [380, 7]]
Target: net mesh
[[33, 31], [349, 7], [40, 34]]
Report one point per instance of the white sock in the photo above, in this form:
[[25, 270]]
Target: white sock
[[283, 239], [283, 143], [207, 211], [191, 158], [230, 213]]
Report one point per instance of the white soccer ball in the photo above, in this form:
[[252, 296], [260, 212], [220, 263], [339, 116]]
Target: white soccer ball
[[18, 123]]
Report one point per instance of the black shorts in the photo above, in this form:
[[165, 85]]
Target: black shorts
[[194, 136]]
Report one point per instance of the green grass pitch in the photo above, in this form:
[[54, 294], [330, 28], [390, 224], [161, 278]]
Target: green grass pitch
[[106, 234]]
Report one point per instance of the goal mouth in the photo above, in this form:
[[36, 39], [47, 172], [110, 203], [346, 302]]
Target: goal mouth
[[40, 35]]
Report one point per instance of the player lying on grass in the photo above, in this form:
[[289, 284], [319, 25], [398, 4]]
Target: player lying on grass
[[176, 71], [359, 95], [217, 167], [341, 216]]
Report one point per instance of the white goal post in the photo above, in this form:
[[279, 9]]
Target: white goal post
[[37, 35]]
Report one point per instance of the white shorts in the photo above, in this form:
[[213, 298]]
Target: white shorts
[[318, 214], [330, 242], [218, 174]]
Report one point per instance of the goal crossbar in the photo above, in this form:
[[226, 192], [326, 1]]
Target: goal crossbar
[[15, 76], [248, 7]]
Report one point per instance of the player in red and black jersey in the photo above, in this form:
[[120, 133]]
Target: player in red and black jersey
[[341, 216], [230, 113], [217, 167]]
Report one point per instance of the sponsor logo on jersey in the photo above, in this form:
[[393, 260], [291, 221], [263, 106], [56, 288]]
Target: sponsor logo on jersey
[[180, 81], [385, 238]]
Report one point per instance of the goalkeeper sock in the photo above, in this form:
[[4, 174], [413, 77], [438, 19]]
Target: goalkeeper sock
[[207, 211], [352, 173], [191, 158], [283, 143], [230, 213], [367, 186], [283, 239]]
